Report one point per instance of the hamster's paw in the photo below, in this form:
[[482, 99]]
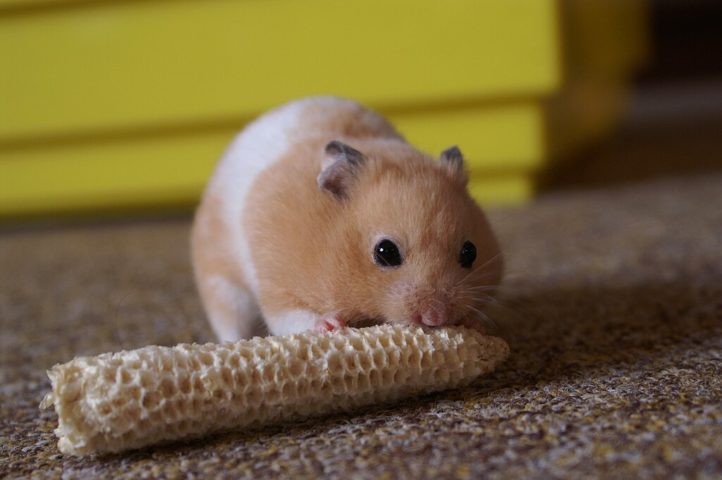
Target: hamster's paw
[[329, 322]]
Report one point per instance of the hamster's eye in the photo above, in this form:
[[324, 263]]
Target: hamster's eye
[[386, 254], [467, 254]]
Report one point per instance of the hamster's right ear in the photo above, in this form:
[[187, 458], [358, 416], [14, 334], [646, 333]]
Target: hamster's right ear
[[339, 169], [453, 161]]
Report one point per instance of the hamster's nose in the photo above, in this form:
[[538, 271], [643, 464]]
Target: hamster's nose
[[433, 317]]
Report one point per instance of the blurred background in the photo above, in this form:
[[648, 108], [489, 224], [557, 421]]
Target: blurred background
[[122, 107]]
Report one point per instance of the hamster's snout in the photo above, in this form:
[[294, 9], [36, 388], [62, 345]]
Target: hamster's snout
[[431, 306], [428, 306], [433, 316]]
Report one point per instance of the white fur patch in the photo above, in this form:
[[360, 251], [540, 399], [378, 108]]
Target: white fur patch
[[241, 321], [256, 148], [291, 321]]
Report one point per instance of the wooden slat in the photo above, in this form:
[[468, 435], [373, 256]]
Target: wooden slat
[[123, 65]]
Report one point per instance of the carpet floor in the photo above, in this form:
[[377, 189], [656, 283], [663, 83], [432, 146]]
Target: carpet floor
[[612, 307]]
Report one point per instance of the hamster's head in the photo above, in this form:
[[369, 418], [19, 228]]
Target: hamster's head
[[414, 246]]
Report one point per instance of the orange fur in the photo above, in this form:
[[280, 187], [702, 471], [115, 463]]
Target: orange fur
[[313, 252]]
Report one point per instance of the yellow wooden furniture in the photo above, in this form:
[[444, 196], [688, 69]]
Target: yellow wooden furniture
[[118, 104]]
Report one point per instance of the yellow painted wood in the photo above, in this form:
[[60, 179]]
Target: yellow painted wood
[[113, 103], [174, 167], [171, 167], [24, 4], [101, 65], [497, 138], [127, 181], [502, 189], [101, 175]]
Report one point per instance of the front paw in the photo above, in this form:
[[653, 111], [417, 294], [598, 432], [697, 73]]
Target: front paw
[[330, 322]]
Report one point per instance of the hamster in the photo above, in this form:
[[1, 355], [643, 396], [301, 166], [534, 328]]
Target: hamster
[[320, 215]]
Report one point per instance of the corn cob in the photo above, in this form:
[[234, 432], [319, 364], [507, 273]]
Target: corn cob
[[127, 400]]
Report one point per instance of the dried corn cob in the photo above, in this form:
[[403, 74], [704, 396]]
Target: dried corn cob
[[131, 399]]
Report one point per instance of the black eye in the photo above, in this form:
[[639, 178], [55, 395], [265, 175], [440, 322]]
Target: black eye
[[467, 254], [386, 254]]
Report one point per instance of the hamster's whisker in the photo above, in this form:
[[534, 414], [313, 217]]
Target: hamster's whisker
[[485, 299], [481, 269], [476, 271], [476, 294], [485, 264], [488, 300], [469, 275], [483, 317], [504, 309], [481, 288], [478, 274]]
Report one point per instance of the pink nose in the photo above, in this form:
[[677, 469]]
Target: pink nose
[[433, 317]]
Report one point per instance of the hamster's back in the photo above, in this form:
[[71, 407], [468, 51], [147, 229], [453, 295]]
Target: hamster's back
[[265, 140]]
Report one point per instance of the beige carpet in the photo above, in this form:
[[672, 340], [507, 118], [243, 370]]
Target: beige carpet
[[614, 315]]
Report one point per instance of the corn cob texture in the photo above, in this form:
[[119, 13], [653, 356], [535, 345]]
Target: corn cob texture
[[131, 399]]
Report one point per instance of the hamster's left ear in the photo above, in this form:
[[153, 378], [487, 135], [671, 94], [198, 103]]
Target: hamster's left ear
[[453, 160], [339, 168]]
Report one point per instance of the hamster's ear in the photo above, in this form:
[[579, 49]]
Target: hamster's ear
[[339, 168], [453, 160]]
